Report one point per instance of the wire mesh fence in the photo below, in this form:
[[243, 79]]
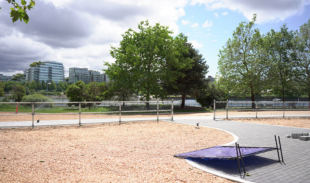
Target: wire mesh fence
[[79, 109], [262, 108]]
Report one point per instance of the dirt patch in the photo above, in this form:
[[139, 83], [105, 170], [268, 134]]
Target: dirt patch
[[291, 122], [131, 152]]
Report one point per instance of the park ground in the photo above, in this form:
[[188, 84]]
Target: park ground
[[130, 152]]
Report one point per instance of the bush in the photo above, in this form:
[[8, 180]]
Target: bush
[[37, 98]]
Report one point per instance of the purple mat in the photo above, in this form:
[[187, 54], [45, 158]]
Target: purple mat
[[224, 152]]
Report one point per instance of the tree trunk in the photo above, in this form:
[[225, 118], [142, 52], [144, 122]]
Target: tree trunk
[[252, 97], [283, 98], [183, 100], [147, 100]]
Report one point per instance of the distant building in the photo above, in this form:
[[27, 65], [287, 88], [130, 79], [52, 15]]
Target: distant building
[[5, 78], [211, 79], [85, 75], [46, 71]]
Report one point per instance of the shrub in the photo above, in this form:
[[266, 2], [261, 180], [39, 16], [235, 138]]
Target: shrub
[[37, 98]]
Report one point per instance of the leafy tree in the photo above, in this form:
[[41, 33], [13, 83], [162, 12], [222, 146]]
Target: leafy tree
[[43, 85], [301, 58], [20, 11], [76, 92], [1, 89], [242, 62], [9, 85], [278, 46], [27, 84], [210, 93], [61, 85], [18, 77], [193, 77], [18, 92], [144, 60], [53, 85], [33, 85], [39, 86], [65, 86]]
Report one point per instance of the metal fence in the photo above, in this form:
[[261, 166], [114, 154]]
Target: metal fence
[[259, 106], [79, 108]]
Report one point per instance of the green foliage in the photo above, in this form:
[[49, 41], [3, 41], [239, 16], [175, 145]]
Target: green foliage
[[39, 86], [61, 85], [18, 77], [278, 46], [193, 76], [1, 89], [20, 11], [76, 92], [145, 58], [8, 85], [43, 85], [65, 86], [36, 98], [301, 59], [206, 97], [242, 61], [27, 84], [53, 85], [18, 92], [33, 85], [34, 64]]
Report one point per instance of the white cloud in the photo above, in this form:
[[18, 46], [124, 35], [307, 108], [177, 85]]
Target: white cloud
[[216, 15], [194, 25], [225, 13], [266, 10], [185, 22], [196, 44], [103, 20], [207, 24]]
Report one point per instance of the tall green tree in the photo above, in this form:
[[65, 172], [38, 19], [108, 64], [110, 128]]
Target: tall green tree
[[43, 85], [18, 92], [76, 92], [61, 85], [145, 58], [39, 86], [242, 62], [27, 84], [18, 77], [279, 45], [194, 76], [33, 85], [53, 85], [301, 58], [19, 11], [1, 89]]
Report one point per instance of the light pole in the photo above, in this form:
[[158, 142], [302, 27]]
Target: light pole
[[47, 87]]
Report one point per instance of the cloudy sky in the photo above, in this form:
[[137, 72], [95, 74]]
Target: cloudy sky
[[80, 33]]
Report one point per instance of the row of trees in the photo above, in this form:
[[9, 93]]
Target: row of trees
[[277, 62]]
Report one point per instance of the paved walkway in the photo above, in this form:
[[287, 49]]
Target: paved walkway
[[262, 168]]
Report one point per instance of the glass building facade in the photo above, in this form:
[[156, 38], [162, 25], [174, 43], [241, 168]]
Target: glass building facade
[[85, 75], [47, 71]]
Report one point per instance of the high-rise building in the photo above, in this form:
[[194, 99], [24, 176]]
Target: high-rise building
[[85, 75], [5, 78], [45, 71]]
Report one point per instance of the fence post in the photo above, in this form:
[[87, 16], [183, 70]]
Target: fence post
[[256, 108], [283, 109], [172, 110], [120, 112], [227, 109], [157, 110], [32, 115], [79, 113], [214, 105]]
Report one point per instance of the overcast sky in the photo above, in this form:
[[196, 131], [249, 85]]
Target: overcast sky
[[80, 33]]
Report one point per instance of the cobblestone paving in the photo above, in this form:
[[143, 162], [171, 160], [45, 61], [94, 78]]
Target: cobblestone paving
[[262, 167]]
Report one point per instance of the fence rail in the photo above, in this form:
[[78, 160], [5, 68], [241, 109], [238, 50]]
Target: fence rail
[[79, 108], [258, 106]]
